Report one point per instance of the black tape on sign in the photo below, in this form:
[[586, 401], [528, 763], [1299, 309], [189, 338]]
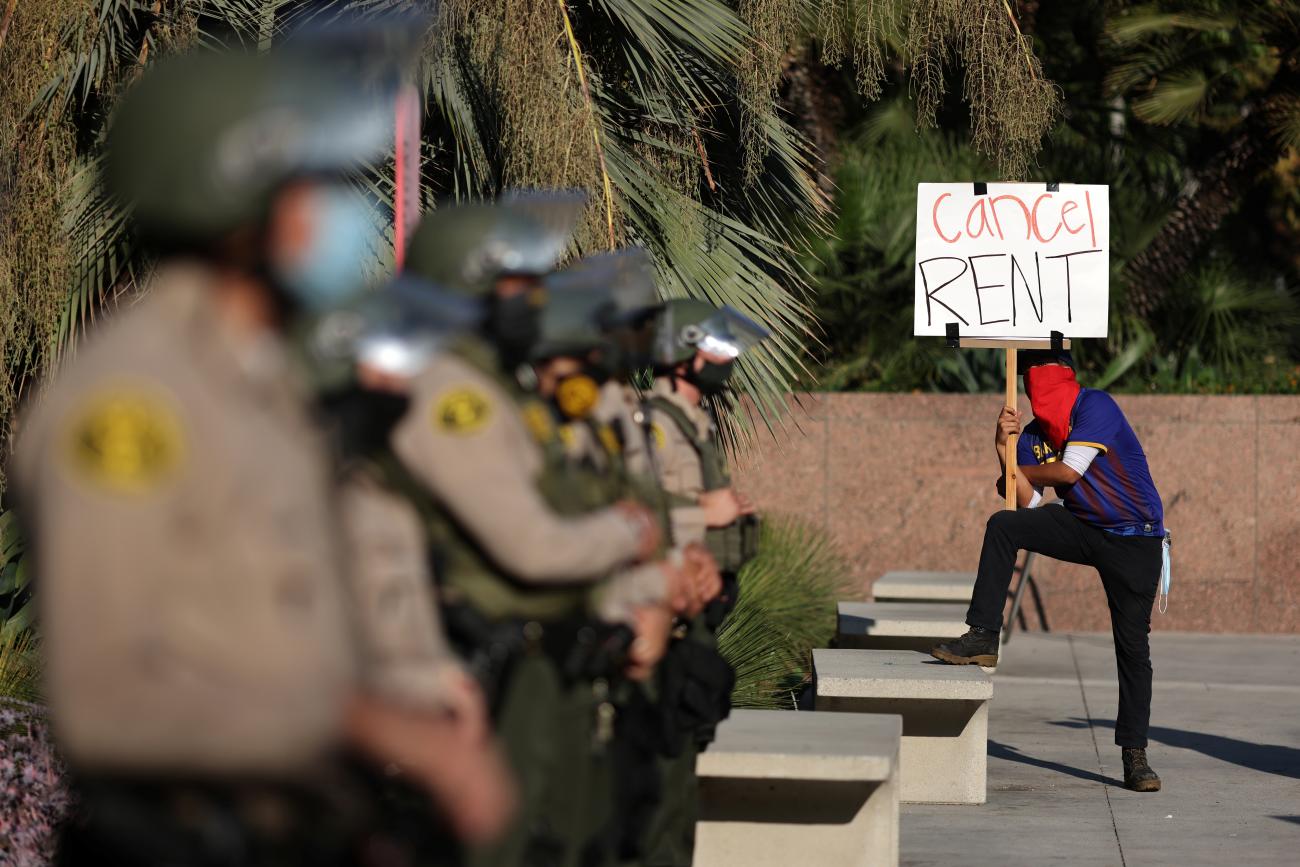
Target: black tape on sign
[[954, 339], [981, 188], [1058, 341], [1054, 187]]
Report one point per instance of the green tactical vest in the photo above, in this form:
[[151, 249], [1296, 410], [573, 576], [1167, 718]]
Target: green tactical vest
[[735, 544], [613, 479], [465, 571]]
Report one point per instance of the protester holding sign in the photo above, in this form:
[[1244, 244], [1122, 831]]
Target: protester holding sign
[[1111, 518]]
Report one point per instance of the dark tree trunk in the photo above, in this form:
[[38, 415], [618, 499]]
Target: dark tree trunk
[[808, 92], [1210, 196]]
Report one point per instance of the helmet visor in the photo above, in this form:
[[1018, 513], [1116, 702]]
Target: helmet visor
[[728, 333], [396, 329], [626, 276], [553, 216]]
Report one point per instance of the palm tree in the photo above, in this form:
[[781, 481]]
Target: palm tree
[[1230, 69], [664, 111], [1229, 315], [865, 268], [637, 101]]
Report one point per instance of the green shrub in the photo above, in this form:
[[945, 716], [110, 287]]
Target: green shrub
[[786, 608], [16, 608], [19, 669]]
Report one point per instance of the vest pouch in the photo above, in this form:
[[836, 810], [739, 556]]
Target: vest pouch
[[695, 684], [735, 544], [597, 650], [489, 649]]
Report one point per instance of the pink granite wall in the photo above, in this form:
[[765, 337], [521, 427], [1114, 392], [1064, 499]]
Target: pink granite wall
[[905, 481]]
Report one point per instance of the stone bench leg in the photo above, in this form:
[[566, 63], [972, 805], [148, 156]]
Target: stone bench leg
[[753, 823], [943, 757]]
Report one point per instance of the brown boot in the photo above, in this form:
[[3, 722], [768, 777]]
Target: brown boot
[[1138, 775], [976, 647]]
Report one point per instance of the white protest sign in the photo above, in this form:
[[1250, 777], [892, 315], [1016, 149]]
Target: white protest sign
[[1012, 260]]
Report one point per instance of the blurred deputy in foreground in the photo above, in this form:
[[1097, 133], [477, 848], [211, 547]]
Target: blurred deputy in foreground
[[201, 662]]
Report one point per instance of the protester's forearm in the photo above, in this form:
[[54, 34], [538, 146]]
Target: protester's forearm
[[1024, 490], [1053, 475]]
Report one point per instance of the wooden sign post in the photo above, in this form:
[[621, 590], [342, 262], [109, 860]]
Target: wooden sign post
[[1010, 347], [1012, 266], [1010, 477]]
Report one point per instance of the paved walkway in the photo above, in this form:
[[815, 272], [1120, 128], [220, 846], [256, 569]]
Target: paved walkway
[[1225, 738]]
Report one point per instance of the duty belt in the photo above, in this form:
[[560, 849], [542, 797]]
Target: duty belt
[[159, 819], [582, 649]]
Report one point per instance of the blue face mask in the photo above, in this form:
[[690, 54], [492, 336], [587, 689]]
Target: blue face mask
[[331, 267]]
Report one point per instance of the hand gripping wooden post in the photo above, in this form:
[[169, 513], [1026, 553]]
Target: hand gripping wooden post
[[1000, 265], [1010, 347], [1012, 465]]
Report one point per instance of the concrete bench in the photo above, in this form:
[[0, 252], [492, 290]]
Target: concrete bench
[[945, 711], [799, 787], [924, 587], [898, 625]]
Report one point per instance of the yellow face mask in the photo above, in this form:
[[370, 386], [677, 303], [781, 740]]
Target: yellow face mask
[[577, 395]]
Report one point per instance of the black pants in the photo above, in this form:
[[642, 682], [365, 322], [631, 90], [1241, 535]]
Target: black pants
[[1130, 572], [353, 815]]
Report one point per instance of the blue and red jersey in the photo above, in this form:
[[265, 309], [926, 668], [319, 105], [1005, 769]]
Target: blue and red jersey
[[1116, 493]]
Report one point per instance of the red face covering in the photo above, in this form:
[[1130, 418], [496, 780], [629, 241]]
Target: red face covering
[[1052, 391]]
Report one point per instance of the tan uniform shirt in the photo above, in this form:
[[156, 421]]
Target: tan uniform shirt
[[467, 441], [405, 654], [646, 584], [193, 614], [678, 462], [620, 407]]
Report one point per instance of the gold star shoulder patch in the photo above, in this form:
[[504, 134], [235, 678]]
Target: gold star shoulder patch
[[609, 439], [659, 435], [130, 440], [462, 411]]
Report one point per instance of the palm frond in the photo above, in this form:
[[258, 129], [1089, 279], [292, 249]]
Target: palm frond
[[1133, 352], [93, 50], [17, 610], [254, 23], [1228, 318], [103, 252], [864, 270], [667, 113], [1176, 98], [1145, 22], [1284, 119], [20, 669], [1143, 65]]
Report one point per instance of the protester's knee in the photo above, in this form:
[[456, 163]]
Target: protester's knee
[[1000, 521]]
